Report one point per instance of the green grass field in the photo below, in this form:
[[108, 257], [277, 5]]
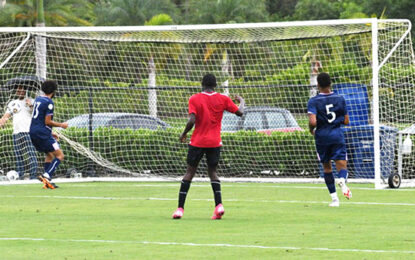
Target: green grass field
[[262, 221]]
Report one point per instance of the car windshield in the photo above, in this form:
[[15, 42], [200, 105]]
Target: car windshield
[[230, 122], [82, 121]]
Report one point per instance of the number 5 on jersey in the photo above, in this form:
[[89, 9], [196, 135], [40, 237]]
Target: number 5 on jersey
[[330, 113]]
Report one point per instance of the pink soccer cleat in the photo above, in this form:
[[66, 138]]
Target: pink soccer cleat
[[219, 212], [347, 194], [178, 213], [346, 191]]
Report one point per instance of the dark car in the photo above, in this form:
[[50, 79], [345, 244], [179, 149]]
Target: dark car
[[118, 120], [261, 119]]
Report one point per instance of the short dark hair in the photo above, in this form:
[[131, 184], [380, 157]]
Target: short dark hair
[[49, 86], [323, 80], [209, 80], [25, 87]]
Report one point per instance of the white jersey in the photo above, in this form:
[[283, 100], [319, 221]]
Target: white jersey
[[22, 115]]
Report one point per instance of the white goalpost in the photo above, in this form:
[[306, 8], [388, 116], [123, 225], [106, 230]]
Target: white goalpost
[[124, 92]]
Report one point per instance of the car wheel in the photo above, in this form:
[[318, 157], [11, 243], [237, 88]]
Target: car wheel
[[394, 180]]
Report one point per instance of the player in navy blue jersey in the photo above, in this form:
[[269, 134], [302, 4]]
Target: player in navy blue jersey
[[41, 132], [327, 113]]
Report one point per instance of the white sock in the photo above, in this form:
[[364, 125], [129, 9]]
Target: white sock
[[46, 175], [334, 196]]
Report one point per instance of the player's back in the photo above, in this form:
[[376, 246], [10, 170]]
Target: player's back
[[209, 108], [330, 113], [42, 107]]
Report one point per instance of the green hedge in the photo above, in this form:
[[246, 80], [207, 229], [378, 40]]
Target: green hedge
[[244, 153]]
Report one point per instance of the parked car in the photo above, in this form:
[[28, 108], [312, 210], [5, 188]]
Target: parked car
[[261, 119], [118, 120]]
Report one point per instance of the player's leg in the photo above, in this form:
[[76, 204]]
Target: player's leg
[[194, 155], [324, 155], [19, 155], [44, 177], [212, 157], [340, 157], [341, 166], [54, 156], [58, 157]]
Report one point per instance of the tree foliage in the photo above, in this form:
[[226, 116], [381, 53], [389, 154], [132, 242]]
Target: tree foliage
[[137, 12], [57, 13]]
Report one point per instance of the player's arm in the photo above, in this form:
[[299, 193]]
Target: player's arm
[[312, 122], [51, 123], [241, 107], [190, 123], [346, 119], [4, 119]]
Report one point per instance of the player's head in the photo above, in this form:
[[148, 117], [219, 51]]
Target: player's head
[[209, 81], [49, 87], [323, 80], [21, 91]]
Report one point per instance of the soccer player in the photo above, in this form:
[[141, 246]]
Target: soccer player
[[20, 110], [327, 112], [205, 113], [41, 132]]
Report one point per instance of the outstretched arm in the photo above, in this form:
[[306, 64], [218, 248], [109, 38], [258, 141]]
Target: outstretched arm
[[4, 119], [51, 123], [240, 111], [189, 126]]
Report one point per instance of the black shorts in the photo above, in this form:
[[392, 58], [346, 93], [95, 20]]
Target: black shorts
[[195, 154]]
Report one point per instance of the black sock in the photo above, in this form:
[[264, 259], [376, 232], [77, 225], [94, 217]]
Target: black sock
[[216, 191], [329, 179], [184, 188]]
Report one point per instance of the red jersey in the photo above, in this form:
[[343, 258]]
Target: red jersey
[[208, 108]]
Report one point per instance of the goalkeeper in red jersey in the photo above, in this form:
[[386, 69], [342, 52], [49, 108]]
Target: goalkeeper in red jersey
[[205, 113]]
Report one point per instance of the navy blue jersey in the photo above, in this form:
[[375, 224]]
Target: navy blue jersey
[[330, 110], [42, 107]]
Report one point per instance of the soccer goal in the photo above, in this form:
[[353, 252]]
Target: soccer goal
[[124, 92]]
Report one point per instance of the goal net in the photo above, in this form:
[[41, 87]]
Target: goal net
[[124, 92]]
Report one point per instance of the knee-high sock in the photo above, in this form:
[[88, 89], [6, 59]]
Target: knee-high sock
[[46, 166], [184, 188], [216, 191], [329, 179], [343, 174], [53, 166]]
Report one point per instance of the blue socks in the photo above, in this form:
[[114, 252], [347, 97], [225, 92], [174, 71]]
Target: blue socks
[[46, 166], [329, 179], [52, 167], [343, 174]]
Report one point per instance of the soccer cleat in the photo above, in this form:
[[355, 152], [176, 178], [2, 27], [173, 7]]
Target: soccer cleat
[[46, 182], [346, 191], [218, 212], [334, 203], [178, 213], [54, 185]]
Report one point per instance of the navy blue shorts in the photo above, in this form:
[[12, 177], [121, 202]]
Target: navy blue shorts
[[329, 152], [195, 154], [44, 144]]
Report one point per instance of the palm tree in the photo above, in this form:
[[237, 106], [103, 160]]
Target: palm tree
[[227, 11], [17, 13], [127, 12]]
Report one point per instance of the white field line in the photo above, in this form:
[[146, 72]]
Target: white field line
[[177, 185], [210, 245], [230, 200]]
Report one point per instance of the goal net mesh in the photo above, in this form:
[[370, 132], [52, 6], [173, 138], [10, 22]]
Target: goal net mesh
[[124, 93]]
